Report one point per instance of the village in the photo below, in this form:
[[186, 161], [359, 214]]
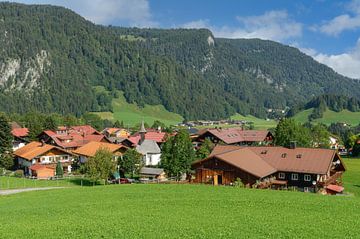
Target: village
[[225, 156]]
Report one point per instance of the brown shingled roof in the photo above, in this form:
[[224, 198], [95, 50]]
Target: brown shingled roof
[[236, 135], [248, 161], [262, 160]]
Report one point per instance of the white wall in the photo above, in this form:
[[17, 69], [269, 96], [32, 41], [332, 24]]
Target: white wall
[[152, 159]]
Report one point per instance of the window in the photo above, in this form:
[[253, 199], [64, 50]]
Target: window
[[307, 177], [306, 189], [294, 176], [281, 175]]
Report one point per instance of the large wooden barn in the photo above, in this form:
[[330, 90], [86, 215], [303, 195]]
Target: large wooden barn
[[304, 169]]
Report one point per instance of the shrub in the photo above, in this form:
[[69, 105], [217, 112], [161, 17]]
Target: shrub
[[238, 183], [19, 173]]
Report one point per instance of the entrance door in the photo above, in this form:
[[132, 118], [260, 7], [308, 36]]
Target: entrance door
[[220, 179], [215, 180]]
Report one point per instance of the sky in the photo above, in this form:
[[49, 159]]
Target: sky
[[327, 30]]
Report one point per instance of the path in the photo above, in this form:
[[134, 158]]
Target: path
[[20, 190]]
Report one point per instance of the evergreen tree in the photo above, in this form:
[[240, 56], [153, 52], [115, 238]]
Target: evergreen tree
[[50, 123], [117, 124], [6, 138], [59, 170]]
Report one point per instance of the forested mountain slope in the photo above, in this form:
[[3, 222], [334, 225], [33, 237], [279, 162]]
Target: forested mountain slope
[[51, 59]]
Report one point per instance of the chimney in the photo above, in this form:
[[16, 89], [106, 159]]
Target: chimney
[[292, 145], [42, 143]]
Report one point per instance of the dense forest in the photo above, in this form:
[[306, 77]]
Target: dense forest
[[52, 59], [320, 103]]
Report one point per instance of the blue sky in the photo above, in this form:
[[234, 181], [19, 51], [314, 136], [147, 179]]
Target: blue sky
[[327, 30]]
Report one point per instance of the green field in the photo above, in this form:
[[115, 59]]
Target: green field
[[132, 114], [352, 118], [258, 123], [182, 211]]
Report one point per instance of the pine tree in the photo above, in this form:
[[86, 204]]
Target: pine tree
[[59, 170], [6, 138]]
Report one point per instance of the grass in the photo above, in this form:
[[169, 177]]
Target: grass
[[181, 211], [132, 114], [351, 177], [258, 123], [352, 118], [15, 183], [176, 211]]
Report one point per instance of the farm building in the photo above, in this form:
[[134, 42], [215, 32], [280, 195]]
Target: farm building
[[304, 169], [89, 150], [38, 153], [236, 136]]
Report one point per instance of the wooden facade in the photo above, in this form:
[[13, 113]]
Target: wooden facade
[[218, 172]]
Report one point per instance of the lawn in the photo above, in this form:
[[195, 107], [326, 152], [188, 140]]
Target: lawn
[[132, 114], [352, 118], [258, 123], [182, 211]]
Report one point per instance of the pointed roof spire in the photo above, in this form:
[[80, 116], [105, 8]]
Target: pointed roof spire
[[142, 128]]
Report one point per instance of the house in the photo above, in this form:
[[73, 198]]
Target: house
[[39, 153], [20, 137], [304, 169], [236, 136], [89, 150], [71, 138], [116, 132], [152, 173], [148, 148]]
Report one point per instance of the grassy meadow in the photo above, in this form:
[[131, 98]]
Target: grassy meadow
[[352, 118], [182, 211], [258, 123], [132, 114]]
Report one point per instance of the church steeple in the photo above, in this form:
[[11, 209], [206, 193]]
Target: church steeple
[[142, 132]]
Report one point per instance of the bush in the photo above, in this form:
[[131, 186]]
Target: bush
[[238, 183], [19, 173]]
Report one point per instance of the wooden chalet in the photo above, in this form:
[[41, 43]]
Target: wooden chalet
[[304, 169], [236, 136]]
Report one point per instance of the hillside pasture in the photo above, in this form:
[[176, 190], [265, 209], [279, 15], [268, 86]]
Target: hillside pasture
[[132, 114], [345, 116]]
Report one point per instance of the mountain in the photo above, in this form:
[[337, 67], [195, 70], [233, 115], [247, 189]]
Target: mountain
[[52, 60]]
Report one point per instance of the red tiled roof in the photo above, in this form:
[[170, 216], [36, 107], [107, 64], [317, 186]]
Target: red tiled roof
[[236, 135], [76, 135], [335, 188], [20, 132], [37, 167], [157, 136]]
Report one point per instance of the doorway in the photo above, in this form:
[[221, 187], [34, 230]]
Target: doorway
[[219, 179]]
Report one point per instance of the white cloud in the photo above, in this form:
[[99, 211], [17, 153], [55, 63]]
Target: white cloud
[[344, 22], [347, 64], [130, 12], [272, 25]]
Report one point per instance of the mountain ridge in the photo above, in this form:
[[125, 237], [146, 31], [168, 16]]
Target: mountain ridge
[[188, 71]]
